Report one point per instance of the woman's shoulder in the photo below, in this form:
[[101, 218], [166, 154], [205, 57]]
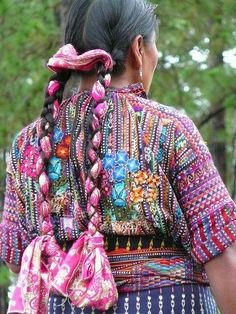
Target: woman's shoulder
[[26, 135], [24, 142], [167, 113]]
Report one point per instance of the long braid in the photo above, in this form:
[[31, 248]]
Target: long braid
[[98, 111], [62, 63], [86, 262], [53, 99]]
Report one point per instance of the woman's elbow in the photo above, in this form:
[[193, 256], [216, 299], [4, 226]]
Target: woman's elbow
[[14, 268]]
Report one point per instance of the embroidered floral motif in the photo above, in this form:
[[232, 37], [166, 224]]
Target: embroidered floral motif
[[136, 195], [57, 136], [153, 181], [119, 166], [143, 187], [67, 140], [121, 158], [28, 165], [119, 174], [63, 143], [54, 169], [28, 168], [140, 177], [119, 194], [133, 165], [62, 151], [108, 162], [30, 152]]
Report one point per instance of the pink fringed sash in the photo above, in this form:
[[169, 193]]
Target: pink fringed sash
[[83, 275]]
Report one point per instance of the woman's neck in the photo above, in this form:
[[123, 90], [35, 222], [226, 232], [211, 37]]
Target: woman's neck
[[125, 79]]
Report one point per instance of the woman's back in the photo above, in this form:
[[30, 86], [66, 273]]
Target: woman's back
[[108, 190]]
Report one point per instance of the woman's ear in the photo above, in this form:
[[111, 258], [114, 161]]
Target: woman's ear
[[137, 50]]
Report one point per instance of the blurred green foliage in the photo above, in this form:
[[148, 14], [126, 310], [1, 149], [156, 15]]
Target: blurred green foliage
[[28, 34], [4, 275], [194, 72]]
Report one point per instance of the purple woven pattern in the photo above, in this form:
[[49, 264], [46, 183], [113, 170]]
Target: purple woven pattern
[[13, 234], [158, 178]]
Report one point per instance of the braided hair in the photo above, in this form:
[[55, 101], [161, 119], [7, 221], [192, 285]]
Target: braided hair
[[53, 99], [109, 25], [99, 108]]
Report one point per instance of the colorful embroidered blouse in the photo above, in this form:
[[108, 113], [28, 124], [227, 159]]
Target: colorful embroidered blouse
[[158, 181]]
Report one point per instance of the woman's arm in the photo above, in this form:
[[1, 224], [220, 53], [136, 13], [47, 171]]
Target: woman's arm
[[209, 211], [221, 272], [14, 268], [13, 227]]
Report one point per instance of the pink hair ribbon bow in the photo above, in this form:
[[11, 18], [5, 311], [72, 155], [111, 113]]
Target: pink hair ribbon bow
[[67, 58]]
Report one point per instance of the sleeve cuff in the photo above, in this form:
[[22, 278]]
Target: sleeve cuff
[[204, 252], [11, 249], [10, 255]]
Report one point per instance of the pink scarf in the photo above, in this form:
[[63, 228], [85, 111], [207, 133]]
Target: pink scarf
[[83, 275], [68, 58]]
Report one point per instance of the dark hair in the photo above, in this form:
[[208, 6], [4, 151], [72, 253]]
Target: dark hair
[[110, 25]]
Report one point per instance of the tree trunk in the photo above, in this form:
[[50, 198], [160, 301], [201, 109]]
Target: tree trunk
[[217, 146]]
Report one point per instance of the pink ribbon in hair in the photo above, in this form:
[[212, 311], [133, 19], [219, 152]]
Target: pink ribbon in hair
[[67, 58]]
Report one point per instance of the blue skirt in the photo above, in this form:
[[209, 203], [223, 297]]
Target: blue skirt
[[182, 299]]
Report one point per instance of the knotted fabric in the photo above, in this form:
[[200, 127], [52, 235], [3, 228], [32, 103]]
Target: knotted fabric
[[83, 275], [68, 58]]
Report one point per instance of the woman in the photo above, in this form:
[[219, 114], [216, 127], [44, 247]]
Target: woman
[[110, 175]]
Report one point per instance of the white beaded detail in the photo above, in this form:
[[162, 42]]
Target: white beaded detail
[[183, 302], [160, 304], [172, 303], [149, 303], [138, 304], [192, 303], [126, 304]]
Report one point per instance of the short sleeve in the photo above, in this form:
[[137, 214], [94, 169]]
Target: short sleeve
[[203, 197], [12, 231]]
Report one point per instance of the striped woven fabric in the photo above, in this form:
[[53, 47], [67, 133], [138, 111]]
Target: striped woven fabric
[[150, 268], [158, 180]]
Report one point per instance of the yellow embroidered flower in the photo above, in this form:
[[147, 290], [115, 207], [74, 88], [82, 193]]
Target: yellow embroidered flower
[[140, 177], [153, 181], [136, 195], [151, 195]]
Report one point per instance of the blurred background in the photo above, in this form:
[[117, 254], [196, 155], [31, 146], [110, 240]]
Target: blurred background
[[196, 73]]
